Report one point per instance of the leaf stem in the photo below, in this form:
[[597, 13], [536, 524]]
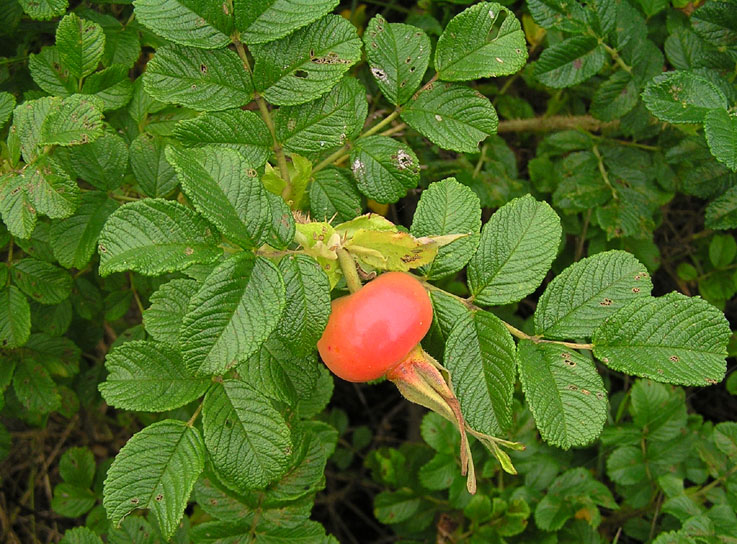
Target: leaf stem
[[554, 123], [381, 124], [616, 58], [194, 416], [348, 266], [330, 159], [263, 109], [603, 172], [135, 293]]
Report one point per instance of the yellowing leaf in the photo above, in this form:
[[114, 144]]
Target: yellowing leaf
[[369, 221], [391, 250]]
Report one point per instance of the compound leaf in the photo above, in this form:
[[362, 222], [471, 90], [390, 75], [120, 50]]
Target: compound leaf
[[673, 339], [156, 469]]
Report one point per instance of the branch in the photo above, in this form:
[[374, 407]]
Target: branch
[[555, 122]]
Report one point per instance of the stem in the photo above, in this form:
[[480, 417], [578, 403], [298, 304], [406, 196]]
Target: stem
[[330, 159], [281, 159], [582, 238], [615, 56], [194, 416], [480, 162], [381, 124], [397, 128], [554, 123], [135, 293], [348, 266], [603, 172]]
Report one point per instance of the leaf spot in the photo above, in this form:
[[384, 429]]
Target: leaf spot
[[573, 387], [404, 160], [635, 290], [379, 74], [438, 117], [302, 74], [674, 358], [203, 68], [606, 302], [135, 500], [159, 497], [188, 251], [500, 61], [586, 392]]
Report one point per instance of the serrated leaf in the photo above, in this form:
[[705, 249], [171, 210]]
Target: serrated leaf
[[398, 55], [59, 355], [80, 535], [589, 291], [615, 97], [334, 194], [226, 190], [307, 303], [111, 85], [452, 116], [716, 22], [283, 226], [153, 236], [558, 14], [517, 247], [156, 469], [682, 97], [384, 168], [75, 120], [387, 250], [481, 358], [396, 506], [570, 62], [17, 212], [263, 21], [722, 211], [28, 118], [80, 44], [248, 440], [44, 9], [77, 466], [238, 129], [485, 40], [187, 22], [720, 128], [306, 64], [48, 73], [34, 388], [447, 207], [149, 377], [102, 163], [163, 318], [15, 317], [74, 239], [49, 188], [325, 123], [658, 411], [7, 104], [203, 80], [236, 309], [154, 174], [674, 339], [279, 373], [564, 392], [72, 501], [42, 281]]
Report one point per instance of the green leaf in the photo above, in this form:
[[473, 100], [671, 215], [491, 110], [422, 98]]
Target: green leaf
[[48, 73], [674, 338], [72, 501], [325, 123], [203, 80], [80, 535], [156, 469], [725, 438], [615, 97], [384, 168], [237, 129], [163, 318], [279, 373], [716, 22], [308, 63], [42, 281], [149, 377], [481, 357], [28, 118], [283, 226], [154, 236], [307, 303], [187, 22], [722, 211], [77, 466], [75, 120], [59, 355], [559, 14], [248, 440], [226, 190], [396, 506], [721, 134], [102, 163], [34, 388], [658, 411], [49, 189], [236, 309], [485, 40], [263, 21], [722, 250], [74, 239], [7, 104], [154, 174], [588, 292], [517, 247], [564, 392], [15, 318], [452, 116], [398, 55], [17, 212], [44, 9], [111, 85], [447, 207], [80, 44], [334, 194], [570, 62], [682, 97]]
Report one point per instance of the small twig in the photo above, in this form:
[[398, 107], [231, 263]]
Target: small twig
[[348, 267], [194, 416], [135, 293], [582, 238], [555, 122]]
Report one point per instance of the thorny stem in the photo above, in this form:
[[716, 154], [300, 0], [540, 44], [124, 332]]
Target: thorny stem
[[348, 266], [511, 328], [281, 159]]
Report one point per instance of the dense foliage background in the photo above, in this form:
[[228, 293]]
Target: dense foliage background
[[122, 127]]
